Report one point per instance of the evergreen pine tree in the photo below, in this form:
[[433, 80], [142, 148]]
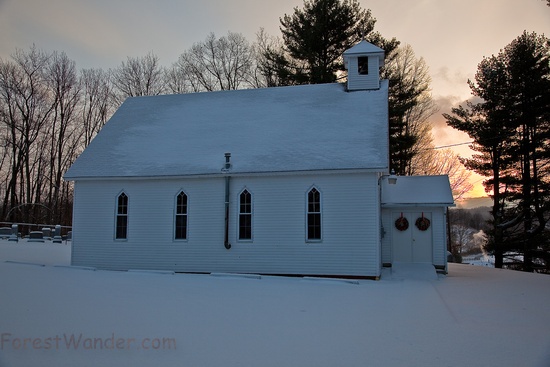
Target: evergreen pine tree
[[511, 131], [314, 39]]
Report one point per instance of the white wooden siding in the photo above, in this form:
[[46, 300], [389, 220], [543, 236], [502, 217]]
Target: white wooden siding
[[439, 221], [350, 220], [387, 227], [358, 81]]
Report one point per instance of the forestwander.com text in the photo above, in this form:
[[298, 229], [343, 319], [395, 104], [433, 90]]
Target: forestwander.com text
[[9, 341]]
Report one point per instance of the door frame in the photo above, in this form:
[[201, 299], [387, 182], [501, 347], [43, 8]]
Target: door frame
[[412, 238]]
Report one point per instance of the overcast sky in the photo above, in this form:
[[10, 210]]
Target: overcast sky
[[451, 35]]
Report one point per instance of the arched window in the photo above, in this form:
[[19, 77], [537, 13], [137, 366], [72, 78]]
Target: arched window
[[314, 215], [181, 217], [245, 215], [363, 65], [121, 232]]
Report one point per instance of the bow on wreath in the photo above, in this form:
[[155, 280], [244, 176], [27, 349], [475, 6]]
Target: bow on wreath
[[422, 223], [402, 223]]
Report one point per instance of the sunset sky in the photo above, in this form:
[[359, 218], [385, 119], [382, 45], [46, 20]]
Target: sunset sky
[[451, 35]]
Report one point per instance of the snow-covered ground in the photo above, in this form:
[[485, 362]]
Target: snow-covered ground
[[61, 316]]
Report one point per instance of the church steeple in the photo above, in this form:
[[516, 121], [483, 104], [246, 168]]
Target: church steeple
[[363, 62]]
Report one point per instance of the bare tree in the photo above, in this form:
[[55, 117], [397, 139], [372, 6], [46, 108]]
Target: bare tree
[[39, 99], [443, 162], [62, 80], [97, 104], [461, 238], [265, 72], [218, 63], [139, 76], [177, 80], [26, 108]]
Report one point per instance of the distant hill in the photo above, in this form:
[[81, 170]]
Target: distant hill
[[470, 203]]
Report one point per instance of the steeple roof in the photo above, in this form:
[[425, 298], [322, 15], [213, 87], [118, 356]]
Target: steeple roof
[[363, 47]]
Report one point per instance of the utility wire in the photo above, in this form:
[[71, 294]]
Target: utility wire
[[499, 137], [450, 145]]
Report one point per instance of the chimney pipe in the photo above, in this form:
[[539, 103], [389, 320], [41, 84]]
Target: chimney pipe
[[227, 161]]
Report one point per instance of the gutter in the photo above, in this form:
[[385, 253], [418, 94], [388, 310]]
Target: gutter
[[328, 171], [416, 205]]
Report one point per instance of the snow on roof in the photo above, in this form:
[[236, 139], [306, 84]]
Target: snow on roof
[[300, 128], [363, 47], [417, 191]]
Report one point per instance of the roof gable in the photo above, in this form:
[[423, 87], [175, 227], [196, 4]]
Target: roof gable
[[311, 127]]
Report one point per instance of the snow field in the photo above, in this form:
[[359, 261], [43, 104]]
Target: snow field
[[473, 317]]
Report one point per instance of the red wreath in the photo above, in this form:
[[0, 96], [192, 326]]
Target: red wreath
[[402, 223], [422, 223]]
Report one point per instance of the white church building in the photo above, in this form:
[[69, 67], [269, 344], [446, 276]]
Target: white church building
[[288, 180]]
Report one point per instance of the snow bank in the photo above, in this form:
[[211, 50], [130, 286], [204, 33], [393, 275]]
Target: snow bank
[[62, 316]]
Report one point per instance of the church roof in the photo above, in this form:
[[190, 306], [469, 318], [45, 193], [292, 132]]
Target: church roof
[[284, 129]]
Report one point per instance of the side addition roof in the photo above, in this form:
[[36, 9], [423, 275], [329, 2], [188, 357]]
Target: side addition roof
[[417, 191], [285, 129]]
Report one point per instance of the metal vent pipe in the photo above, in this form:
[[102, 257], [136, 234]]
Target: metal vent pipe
[[227, 190]]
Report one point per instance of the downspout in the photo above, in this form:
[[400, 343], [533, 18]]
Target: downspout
[[227, 187]]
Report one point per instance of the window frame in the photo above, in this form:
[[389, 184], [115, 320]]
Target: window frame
[[181, 215], [318, 213], [249, 214], [361, 62], [121, 213]]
